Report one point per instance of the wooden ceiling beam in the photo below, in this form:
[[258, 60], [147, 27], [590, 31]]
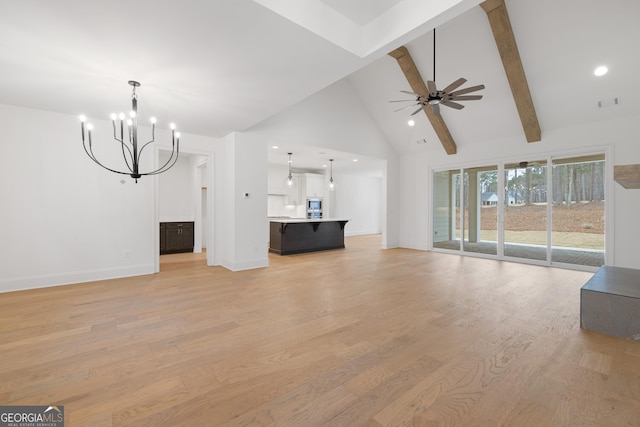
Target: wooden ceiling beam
[[418, 85], [500, 23]]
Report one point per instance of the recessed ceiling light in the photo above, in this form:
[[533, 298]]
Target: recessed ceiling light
[[411, 123], [324, 166], [275, 147], [355, 160], [601, 71]]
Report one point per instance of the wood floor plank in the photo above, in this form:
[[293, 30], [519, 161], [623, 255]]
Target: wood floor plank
[[407, 407], [353, 337], [365, 406]]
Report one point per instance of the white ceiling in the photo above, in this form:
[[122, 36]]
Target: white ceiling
[[361, 12], [219, 66], [560, 44], [307, 158], [212, 67]]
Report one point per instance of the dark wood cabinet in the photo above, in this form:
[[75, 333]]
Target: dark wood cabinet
[[176, 237]]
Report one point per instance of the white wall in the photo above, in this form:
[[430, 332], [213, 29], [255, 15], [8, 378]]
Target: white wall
[[279, 205], [245, 223], [239, 166], [359, 199], [176, 198], [67, 220], [619, 137], [335, 118]]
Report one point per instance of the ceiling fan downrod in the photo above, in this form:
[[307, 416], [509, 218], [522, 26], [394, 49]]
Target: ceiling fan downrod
[[434, 54], [448, 96]]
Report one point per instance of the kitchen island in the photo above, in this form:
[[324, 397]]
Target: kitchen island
[[293, 236]]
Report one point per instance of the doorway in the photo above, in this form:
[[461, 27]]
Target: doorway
[[184, 193]]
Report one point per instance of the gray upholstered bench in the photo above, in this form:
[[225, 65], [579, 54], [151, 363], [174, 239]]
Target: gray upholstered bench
[[610, 302]]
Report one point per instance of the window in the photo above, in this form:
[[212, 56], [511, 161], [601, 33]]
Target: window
[[550, 210]]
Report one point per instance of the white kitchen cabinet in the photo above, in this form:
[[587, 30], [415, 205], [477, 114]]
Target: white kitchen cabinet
[[307, 185], [275, 180], [295, 195], [314, 185]]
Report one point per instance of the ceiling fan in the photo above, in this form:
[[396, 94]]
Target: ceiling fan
[[524, 165], [447, 96]]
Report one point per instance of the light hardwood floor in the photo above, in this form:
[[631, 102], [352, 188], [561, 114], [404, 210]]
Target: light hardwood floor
[[353, 337]]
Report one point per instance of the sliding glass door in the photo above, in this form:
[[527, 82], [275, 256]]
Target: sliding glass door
[[578, 211], [525, 210], [544, 210], [481, 210], [446, 209]]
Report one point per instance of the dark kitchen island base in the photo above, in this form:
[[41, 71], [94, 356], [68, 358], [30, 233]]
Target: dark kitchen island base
[[298, 236]]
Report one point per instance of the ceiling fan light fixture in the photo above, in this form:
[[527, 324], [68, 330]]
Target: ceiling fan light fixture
[[449, 96]]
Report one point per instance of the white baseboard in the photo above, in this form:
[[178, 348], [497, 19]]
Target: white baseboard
[[414, 245], [390, 245], [361, 232], [246, 264], [45, 281]]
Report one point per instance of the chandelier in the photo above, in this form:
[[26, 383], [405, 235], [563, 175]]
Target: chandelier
[[129, 146]]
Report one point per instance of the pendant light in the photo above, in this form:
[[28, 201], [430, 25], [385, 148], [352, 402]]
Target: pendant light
[[332, 184], [289, 182]]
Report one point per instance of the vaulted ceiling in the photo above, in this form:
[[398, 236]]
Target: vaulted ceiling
[[219, 66]]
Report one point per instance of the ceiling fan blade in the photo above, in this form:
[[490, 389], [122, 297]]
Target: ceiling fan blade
[[453, 105], [453, 86], [433, 90], [407, 106], [435, 108], [411, 93], [465, 98], [418, 110], [404, 100], [467, 90]]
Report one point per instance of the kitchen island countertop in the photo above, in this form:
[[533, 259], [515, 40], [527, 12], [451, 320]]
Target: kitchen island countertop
[[303, 220]]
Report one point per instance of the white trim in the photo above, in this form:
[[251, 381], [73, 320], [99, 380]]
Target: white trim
[[500, 213], [246, 264], [50, 280], [361, 233], [609, 198], [209, 160], [430, 190], [550, 208], [390, 244], [211, 212]]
